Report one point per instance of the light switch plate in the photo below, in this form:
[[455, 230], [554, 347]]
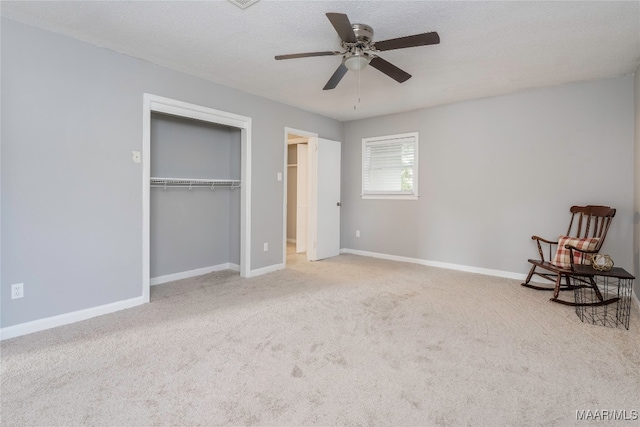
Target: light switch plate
[[135, 156]]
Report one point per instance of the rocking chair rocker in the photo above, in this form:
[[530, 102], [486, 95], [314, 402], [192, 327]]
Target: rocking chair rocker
[[590, 225]]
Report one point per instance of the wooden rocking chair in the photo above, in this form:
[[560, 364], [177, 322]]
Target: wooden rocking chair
[[587, 230]]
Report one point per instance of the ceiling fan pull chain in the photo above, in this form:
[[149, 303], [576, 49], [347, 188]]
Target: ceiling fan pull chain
[[359, 71], [357, 88]]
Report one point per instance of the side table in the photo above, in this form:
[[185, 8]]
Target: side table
[[602, 297]]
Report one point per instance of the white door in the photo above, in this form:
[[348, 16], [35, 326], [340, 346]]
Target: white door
[[301, 208], [324, 200]]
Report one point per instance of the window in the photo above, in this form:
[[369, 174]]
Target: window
[[390, 167]]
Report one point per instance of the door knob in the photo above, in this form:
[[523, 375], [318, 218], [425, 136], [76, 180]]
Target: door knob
[[338, 204]]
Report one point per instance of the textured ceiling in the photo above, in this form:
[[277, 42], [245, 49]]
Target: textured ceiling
[[487, 48]]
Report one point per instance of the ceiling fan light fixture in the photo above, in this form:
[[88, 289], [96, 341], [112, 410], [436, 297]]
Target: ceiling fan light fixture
[[356, 61]]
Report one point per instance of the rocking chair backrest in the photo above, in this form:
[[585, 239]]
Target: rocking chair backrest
[[591, 221]]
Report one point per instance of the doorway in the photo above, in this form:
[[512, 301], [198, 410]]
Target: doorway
[[296, 192], [312, 199], [297, 189]]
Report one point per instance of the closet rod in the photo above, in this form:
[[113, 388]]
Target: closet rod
[[194, 183]]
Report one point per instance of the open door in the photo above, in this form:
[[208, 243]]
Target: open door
[[324, 199]]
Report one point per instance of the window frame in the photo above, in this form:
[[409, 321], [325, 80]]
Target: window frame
[[391, 195]]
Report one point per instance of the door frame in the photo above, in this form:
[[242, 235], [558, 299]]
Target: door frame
[[309, 135], [153, 103]]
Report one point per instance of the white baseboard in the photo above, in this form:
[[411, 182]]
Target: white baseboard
[[291, 240], [192, 273], [77, 316], [265, 270], [67, 318], [459, 267]]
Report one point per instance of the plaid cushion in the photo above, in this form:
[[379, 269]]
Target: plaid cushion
[[563, 259]]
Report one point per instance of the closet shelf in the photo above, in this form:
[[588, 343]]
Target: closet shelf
[[194, 182]]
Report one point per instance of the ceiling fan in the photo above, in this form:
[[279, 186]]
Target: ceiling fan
[[359, 50]]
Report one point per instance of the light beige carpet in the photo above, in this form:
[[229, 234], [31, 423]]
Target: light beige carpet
[[346, 341]]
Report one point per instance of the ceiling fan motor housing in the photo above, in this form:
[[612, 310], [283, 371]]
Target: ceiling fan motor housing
[[364, 34]]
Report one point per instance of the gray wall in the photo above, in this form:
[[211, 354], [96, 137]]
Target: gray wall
[[495, 171], [71, 196], [71, 214], [636, 210], [191, 229]]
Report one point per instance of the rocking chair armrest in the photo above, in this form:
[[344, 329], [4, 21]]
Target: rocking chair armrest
[[540, 251], [543, 240], [584, 251]]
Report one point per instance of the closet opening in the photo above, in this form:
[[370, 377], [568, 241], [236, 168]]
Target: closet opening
[[196, 191], [195, 198]]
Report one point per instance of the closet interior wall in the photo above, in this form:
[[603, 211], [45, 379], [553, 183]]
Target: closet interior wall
[[199, 227], [292, 191]]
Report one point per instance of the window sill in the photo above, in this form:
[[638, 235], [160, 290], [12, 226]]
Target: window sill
[[390, 196]]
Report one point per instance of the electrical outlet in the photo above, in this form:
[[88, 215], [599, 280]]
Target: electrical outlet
[[135, 156], [357, 233], [17, 290], [266, 247]]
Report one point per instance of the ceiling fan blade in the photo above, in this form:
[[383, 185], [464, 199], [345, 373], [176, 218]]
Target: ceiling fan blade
[[408, 41], [306, 55], [390, 70], [335, 79], [341, 23]]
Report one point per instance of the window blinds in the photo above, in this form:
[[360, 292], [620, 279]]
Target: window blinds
[[388, 165]]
